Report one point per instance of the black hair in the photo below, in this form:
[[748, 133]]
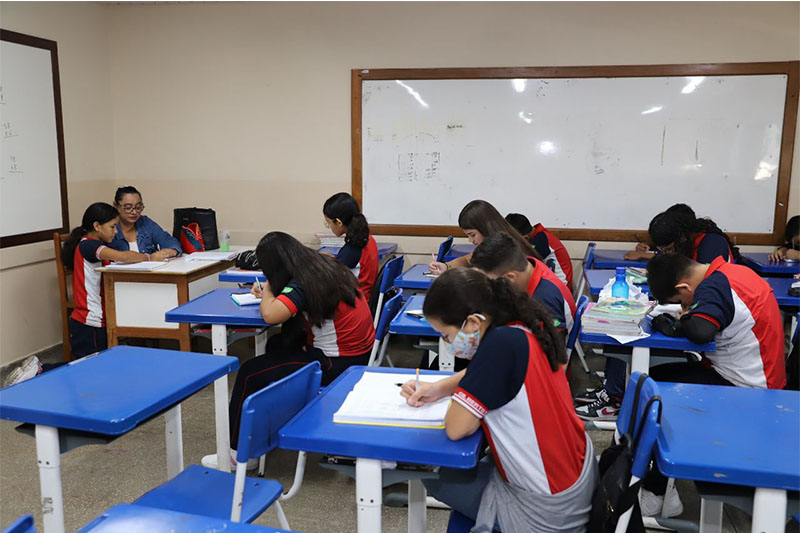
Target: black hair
[[324, 280], [498, 254], [344, 207], [482, 216], [460, 292], [663, 273], [792, 231], [122, 191], [677, 226], [519, 222], [99, 212]]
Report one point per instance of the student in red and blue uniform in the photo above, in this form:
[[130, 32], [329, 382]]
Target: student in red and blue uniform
[[548, 245], [360, 251], [499, 255], [541, 472], [87, 248], [324, 294]]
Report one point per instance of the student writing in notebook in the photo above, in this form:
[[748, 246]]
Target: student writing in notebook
[[554, 254], [541, 472], [360, 251], [789, 250], [324, 295], [139, 233], [479, 219]]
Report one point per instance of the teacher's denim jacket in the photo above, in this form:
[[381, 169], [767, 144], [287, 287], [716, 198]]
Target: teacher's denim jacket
[[150, 237]]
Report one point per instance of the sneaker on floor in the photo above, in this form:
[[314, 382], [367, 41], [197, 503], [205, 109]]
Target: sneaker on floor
[[588, 395], [652, 504], [604, 408], [29, 368], [210, 461]]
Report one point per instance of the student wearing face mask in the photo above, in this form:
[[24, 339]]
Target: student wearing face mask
[[541, 472]]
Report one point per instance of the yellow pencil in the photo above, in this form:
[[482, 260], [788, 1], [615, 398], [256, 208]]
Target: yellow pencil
[[416, 381]]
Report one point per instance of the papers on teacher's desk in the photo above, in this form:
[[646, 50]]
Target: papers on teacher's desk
[[375, 400], [211, 256], [245, 298], [144, 266]]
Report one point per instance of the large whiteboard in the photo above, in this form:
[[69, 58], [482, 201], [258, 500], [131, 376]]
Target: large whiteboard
[[574, 152], [31, 203]]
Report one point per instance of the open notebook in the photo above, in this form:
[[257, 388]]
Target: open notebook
[[144, 266], [211, 256], [245, 298], [375, 400]]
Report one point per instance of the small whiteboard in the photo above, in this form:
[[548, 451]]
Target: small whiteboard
[[583, 154], [33, 200]]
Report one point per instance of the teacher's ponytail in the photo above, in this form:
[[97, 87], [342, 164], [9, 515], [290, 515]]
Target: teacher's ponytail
[[99, 212]]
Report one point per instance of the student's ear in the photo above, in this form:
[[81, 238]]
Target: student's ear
[[96, 225], [473, 323], [511, 276], [684, 287]]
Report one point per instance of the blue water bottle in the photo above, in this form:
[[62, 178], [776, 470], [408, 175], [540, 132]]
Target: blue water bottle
[[620, 287]]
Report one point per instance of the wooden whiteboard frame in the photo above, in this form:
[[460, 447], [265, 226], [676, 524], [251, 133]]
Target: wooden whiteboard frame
[[788, 68], [46, 234]]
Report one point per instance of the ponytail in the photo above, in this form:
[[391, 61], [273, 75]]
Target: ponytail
[[461, 292], [344, 207], [99, 212]]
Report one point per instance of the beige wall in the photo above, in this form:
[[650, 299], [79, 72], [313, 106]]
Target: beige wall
[[245, 107]]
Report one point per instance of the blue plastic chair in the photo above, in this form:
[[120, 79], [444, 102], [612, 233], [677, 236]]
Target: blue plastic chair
[[588, 263], [572, 338], [444, 248], [23, 524], [208, 492], [390, 310], [458, 523], [391, 270]]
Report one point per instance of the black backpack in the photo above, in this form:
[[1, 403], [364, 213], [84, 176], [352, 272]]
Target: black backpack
[[205, 218], [615, 495]]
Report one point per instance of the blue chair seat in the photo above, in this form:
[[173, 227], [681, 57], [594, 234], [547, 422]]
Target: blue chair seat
[[209, 492]]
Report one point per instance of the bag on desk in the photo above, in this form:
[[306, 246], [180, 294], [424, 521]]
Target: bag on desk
[[191, 239], [206, 219], [247, 260]]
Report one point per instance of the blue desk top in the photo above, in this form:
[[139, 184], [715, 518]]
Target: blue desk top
[[313, 430], [113, 391], [413, 278], [730, 435], [780, 287], [761, 264], [404, 324], [237, 275], [217, 307], [139, 519], [613, 259], [655, 340], [458, 250], [596, 279], [384, 249]]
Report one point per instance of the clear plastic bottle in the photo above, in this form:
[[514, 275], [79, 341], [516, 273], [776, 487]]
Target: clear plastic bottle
[[620, 287]]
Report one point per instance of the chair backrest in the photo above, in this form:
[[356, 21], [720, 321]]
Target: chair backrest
[[391, 270], [444, 248], [583, 301], [23, 524], [646, 413], [266, 411], [390, 310], [588, 256], [63, 289]]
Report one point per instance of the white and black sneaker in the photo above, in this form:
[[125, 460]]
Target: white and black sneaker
[[604, 408], [588, 396]]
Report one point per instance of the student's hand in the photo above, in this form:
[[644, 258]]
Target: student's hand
[[777, 255], [426, 393], [636, 255], [437, 268], [327, 253], [161, 255], [642, 247], [256, 291]]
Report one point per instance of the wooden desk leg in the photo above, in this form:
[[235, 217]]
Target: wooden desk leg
[[111, 310], [184, 330], [48, 454]]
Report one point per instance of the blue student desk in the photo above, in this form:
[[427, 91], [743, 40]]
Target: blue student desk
[[218, 309], [613, 259], [596, 279], [733, 435], [239, 275], [313, 430], [405, 324], [129, 518], [415, 278], [780, 286], [761, 264], [384, 249], [108, 394], [458, 250]]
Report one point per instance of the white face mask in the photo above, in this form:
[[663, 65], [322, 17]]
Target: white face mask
[[464, 344]]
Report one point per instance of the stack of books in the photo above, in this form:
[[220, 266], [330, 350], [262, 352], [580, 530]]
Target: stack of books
[[329, 239], [615, 316], [637, 276]]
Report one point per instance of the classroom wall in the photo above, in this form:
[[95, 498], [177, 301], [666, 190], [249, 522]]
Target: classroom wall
[[245, 107]]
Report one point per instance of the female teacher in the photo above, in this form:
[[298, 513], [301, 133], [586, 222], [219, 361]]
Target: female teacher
[[137, 232]]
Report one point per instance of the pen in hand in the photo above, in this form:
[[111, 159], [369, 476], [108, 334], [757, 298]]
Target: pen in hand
[[416, 381]]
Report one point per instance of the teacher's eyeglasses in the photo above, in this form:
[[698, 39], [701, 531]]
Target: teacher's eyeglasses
[[128, 208]]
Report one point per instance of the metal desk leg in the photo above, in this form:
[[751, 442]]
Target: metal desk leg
[[417, 506], [710, 516], [174, 433], [769, 510], [369, 494], [261, 343], [446, 359], [219, 346], [48, 455], [640, 360]]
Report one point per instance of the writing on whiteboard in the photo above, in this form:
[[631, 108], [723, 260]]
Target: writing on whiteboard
[[422, 166]]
